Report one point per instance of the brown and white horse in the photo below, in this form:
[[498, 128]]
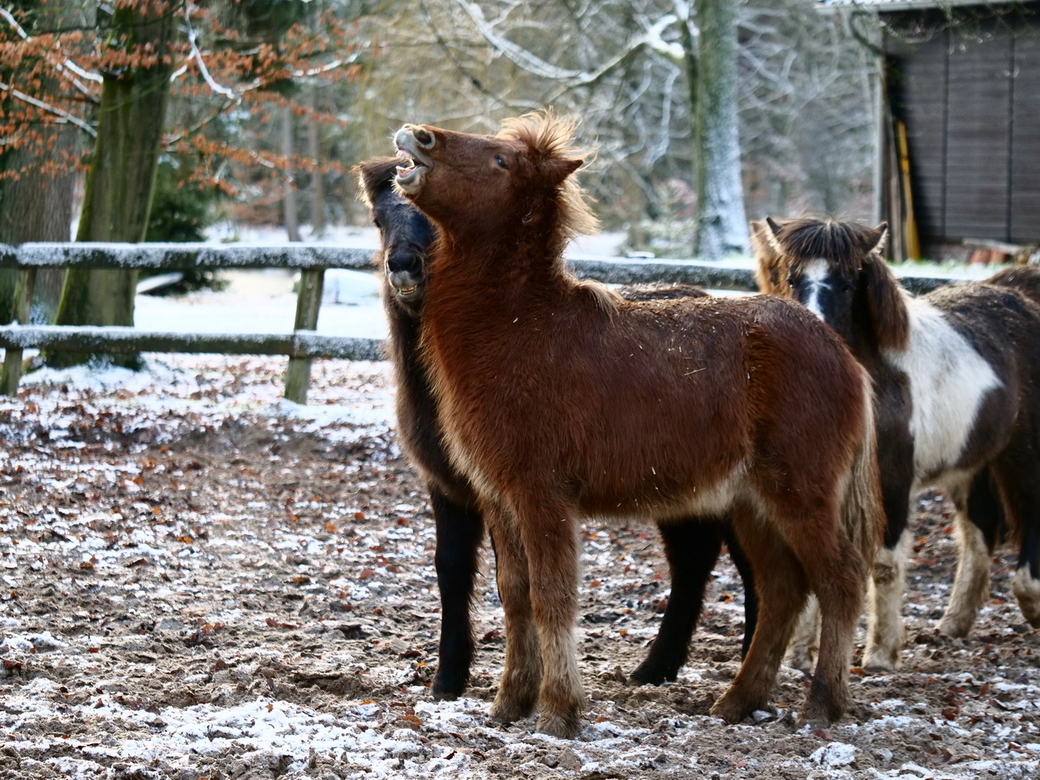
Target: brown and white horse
[[957, 382], [560, 400]]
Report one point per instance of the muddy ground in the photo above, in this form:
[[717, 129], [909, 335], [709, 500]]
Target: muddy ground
[[201, 581]]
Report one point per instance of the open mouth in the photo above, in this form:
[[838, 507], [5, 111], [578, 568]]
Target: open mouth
[[414, 163], [407, 292], [410, 170]]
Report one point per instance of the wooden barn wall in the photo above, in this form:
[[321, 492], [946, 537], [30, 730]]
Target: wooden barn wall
[[1025, 141], [970, 97]]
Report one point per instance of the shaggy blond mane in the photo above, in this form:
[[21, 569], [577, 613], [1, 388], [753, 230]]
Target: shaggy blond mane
[[549, 138]]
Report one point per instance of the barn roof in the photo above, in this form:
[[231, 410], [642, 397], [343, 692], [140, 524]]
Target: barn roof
[[906, 5]]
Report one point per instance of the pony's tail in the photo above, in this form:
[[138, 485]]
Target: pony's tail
[[862, 512]]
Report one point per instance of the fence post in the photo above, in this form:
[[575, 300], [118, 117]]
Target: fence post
[[23, 294], [308, 302]]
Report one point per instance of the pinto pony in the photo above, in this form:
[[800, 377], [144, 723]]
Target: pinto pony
[[957, 381], [691, 548], [560, 400]]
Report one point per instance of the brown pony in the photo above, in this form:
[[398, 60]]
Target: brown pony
[[560, 400], [692, 548], [957, 381]]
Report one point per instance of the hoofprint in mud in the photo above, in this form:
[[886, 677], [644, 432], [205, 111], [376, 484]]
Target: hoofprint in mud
[[200, 580]]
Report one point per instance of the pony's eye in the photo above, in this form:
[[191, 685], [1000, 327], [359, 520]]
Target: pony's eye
[[501, 163], [377, 224]]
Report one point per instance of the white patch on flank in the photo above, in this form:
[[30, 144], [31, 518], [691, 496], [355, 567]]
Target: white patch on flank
[[815, 277], [948, 380]]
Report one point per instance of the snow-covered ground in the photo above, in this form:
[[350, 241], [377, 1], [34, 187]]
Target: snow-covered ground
[[200, 580]]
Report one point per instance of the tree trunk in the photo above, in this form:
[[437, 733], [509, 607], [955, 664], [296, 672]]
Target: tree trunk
[[317, 178], [121, 178], [292, 214], [721, 222], [36, 206]]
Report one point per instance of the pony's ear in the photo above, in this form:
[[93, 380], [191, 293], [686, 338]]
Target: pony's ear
[[768, 256], [875, 240], [885, 304], [772, 235], [767, 260], [362, 190], [883, 234], [758, 233], [557, 169]]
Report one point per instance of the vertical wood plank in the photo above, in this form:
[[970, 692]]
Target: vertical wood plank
[[12, 371], [308, 303]]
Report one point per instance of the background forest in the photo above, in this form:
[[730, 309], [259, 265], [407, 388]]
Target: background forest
[[149, 119]]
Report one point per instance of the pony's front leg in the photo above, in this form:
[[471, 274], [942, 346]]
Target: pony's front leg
[[885, 610], [692, 548], [522, 672], [460, 530], [549, 534]]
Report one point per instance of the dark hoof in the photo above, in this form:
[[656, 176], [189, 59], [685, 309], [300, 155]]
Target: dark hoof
[[448, 687], [650, 674]]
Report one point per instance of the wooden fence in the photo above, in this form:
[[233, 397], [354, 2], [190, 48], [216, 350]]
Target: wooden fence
[[303, 344]]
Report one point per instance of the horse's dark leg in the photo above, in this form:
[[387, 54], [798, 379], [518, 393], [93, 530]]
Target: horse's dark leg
[[692, 547], [971, 583], [888, 573], [1018, 475], [460, 530], [736, 554]]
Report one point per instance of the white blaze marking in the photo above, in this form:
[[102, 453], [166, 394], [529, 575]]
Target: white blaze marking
[[815, 276], [948, 380]]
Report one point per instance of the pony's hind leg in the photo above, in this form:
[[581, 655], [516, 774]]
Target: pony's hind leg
[[1019, 479], [835, 571], [522, 671], [978, 517], [747, 577], [1026, 584], [460, 530], [805, 644], [692, 547], [782, 589]]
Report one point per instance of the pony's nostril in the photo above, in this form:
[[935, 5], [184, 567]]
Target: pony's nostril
[[423, 137]]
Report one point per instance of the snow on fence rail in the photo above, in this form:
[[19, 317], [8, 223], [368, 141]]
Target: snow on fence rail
[[312, 260]]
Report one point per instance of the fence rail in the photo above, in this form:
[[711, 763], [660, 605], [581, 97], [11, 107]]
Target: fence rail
[[302, 345]]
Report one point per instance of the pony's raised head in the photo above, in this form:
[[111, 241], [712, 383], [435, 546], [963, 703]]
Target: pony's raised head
[[518, 181], [406, 234], [834, 269]]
